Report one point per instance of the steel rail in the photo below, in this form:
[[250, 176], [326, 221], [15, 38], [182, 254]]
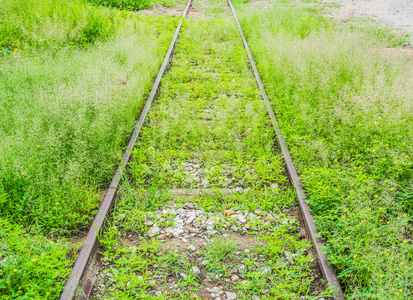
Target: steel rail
[[327, 269], [91, 243]]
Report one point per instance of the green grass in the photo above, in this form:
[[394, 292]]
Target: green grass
[[344, 105], [124, 4], [31, 265], [135, 5], [48, 23], [64, 121]]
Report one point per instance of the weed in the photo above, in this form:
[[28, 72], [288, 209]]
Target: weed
[[343, 104], [63, 124], [32, 266], [123, 4], [53, 24]]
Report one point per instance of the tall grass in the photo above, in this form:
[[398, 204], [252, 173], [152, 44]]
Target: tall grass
[[64, 121], [45, 23], [124, 4], [345, 106]]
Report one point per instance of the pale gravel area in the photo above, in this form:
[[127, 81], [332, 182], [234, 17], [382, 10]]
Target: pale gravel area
[[396, 13]]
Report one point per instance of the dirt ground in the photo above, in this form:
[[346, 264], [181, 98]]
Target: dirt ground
[[396, 13]]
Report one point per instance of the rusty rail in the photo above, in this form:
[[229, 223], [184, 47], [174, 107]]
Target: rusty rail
[[90, 245], [327, 269]]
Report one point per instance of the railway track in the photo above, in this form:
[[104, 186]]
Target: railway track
[[200, 205]]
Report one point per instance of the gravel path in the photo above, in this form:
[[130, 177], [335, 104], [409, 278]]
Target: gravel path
[[397, 13]]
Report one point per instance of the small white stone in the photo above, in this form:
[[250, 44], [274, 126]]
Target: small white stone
[[234, 277], [289, 257], [148, 223], [195, 270], [154, 231], [191, 248], [234, 228], [190, 220], [189, 205], [231, 295], [241, 219]]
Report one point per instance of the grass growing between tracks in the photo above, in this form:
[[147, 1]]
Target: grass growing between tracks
[[344, 105], [64, 119], [209, 130]]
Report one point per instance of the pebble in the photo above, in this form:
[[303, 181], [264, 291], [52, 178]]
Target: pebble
[[189, 205], [231, 295], [289, 257], [227, 212], [234, 228], [190, 220], [154, 231], [148, 223], [241, 219], [195, 270], [265, 270], [211, 220], [191, 248], [215, 289], [180, 212]]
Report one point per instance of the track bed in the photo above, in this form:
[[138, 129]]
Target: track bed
[[206, 209]]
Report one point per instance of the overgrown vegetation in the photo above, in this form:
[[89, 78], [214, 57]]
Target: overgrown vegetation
[[65, 119], [73, 78], [344, 104], [208, 131], [31, 265], [58, 23], [135, 5], [124, 4]]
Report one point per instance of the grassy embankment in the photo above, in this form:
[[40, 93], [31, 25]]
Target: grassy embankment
[[345, 107], [209, 114], [63, 122]]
